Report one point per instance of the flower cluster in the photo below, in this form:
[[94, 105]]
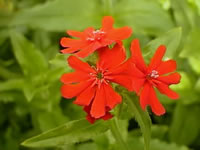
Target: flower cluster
[[92, 84]]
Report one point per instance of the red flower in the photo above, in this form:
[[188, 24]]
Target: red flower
[[91, 85], [156, 74], [91, 119], [90, 39]]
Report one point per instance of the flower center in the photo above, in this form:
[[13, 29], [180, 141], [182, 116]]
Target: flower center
[[154, 74], [99, 77], [96, 35]]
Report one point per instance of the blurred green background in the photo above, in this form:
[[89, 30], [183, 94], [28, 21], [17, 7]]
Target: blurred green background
[[31, 65]]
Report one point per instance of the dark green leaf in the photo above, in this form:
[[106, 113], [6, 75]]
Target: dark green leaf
[[156, 144], [12, 84]]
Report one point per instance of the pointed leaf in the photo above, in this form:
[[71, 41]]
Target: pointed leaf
[[30, 59], [71, 132], [170, 39]]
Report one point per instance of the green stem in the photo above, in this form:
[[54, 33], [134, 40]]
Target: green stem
[[114, 127], [142, 118]]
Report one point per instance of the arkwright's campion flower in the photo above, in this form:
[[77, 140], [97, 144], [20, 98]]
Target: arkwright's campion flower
[[158, 74], [90, 39], [91, 85]]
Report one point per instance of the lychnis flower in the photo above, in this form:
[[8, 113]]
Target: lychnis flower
[[158, 74], [90, 39], [91, 85]]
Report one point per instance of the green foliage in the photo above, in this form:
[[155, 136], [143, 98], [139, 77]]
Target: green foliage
[[72, 132], [30, 68], [185, 126], [171, 40], [141, 116]]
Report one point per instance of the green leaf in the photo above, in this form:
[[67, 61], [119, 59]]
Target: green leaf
[[119, 133], [10, 96], [191, 48], [144, 16], [141, 116], [170, 39], [12, 84], [58, 15], [72, 132], [185, 125], [30, 59], [183, 14], [7, 74], [156, 144]]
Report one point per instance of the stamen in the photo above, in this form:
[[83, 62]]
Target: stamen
[[154, 74], [90, 39]]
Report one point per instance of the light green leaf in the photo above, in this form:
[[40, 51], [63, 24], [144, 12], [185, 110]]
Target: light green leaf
[[72, 132], [191, 48], [58, 15], [30, 59], [119, 133], [183, 14], [185, 125], [170, 39], [141, 116], [145, 16]]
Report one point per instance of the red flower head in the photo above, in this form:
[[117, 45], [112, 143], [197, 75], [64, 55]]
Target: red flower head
[[91, 84], [154, 75], [90, 39]]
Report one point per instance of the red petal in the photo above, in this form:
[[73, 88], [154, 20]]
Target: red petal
[[144, 96], [164, 89], [137, 56], [119, 34], [107, 116], [89, 117], [107, 23], [173, 78], [68, 50], [99, 103], [89, 31], [112, 98], [157, 58], [68, 42], [76, 33], [92, 119], [88, 50], [156, 106], [85, 97], [109, 58], [138, 83], [123, 80], [73, 77], [166, 67], [77, 64], [72, 90]]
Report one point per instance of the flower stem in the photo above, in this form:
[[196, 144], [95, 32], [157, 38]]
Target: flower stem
[[114, 127]]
